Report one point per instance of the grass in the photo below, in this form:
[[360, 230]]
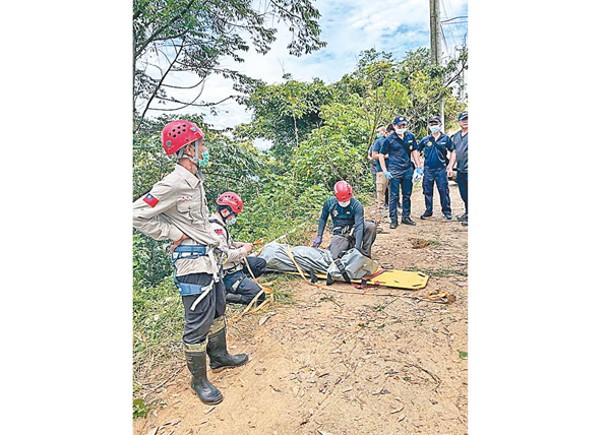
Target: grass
[[444, 272]]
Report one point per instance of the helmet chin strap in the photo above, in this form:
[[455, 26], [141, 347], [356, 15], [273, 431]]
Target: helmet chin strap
[[224, 218]]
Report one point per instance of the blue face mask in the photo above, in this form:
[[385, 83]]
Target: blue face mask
[[434, 129], [204, 160], [379, 136]]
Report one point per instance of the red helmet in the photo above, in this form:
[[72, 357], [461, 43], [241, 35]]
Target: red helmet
[[232, 200], [177, 134], [343, 191]]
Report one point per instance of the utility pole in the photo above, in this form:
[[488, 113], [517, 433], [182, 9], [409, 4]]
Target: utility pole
[[436, 48], [434, 30]]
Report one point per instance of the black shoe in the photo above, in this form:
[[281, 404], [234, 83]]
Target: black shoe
[[205, 390], [462, 218], [234, 298], [408, 221], [425, 216], [464, 223], [219, 358], [448, 216], [393, 225]]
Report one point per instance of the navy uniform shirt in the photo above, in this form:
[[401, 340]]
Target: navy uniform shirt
[[399, 152], [436, 151], [343, 218], [376, 146], [460, 142]]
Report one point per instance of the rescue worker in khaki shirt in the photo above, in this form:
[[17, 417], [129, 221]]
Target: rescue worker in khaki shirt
[[176, 209], [240, 287]]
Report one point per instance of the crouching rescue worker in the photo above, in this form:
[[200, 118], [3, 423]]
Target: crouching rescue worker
[[176, 209], [240, 287], [348, 226]]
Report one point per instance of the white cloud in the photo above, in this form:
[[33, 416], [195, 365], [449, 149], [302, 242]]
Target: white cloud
[[349, 27]]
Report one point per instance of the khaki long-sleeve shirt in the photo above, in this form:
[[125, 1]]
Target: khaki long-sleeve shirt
[[233, 250], [174, 206]]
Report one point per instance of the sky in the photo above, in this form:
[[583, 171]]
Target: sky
[[348, 27]]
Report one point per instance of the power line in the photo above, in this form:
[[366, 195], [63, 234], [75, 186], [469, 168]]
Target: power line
[[453, 18]]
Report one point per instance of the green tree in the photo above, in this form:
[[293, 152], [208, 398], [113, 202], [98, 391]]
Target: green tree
[[174, 37], [286, 113], [336, 151]]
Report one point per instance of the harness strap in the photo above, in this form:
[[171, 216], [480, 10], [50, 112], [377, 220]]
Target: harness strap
[[206, 291], [188, 252], [342, 270]]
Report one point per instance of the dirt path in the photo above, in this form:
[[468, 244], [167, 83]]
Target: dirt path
[[344, 363]]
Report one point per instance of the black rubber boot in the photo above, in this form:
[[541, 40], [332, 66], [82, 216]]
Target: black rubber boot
[[219, 358], [234, 298], [197, 364]]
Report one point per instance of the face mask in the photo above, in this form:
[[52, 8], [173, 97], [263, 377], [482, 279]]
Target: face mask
[[344, 204], [232, 220], [379, 136], [400, 130], [434, 129], [204, 160]]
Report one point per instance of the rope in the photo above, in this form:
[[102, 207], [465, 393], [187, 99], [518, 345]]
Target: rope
[[264, 289]]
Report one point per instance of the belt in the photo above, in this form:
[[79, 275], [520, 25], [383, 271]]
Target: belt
[[188, 252]]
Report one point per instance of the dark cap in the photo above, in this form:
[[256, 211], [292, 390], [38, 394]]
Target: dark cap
[[435, 119], [462, 116], [399, 120]]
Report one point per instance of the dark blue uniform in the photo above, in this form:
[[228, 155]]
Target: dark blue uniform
[[402, 169], [461, 145], [436, 154], [348, 227]]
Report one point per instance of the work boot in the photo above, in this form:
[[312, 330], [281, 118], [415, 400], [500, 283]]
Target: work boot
[[219, 358], [425, 216], [464, 222], [462, 217], [393, 225], [408, 221], [448, 216], [197, 364], [235, 298]]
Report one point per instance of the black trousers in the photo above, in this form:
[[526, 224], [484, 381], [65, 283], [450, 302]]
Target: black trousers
[[240, 282], [197, 322]]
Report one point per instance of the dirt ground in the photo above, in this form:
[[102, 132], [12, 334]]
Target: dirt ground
[[362, 362]]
